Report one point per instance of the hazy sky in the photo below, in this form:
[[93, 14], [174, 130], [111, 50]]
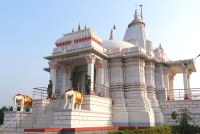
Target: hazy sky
[[29, 29]]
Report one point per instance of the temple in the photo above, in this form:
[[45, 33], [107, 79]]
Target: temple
[[130, 72], [130, 85]]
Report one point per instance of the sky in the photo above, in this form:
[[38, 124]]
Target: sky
[[29, 29]]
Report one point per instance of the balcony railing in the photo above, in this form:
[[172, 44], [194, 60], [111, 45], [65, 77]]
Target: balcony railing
[[179, 94]]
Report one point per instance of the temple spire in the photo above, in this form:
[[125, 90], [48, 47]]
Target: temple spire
[[72, 30], [85, 27], [111, 35]]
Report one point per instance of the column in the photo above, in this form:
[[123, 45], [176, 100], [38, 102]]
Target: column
[[90, 59], [166, 80], [159, 82], [66, 82], [188, 78], [53, 67], [171, 86], [185, 82], [100, 83]]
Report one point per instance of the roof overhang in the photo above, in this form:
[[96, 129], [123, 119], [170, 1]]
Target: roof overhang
[[175, 66]]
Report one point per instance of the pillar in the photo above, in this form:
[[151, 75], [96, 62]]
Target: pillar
[[53, 67], [90, 59], [159, 82], [100, 80], [188, 78], [166, 81], [66, 83], [171, 86], [185, 82]]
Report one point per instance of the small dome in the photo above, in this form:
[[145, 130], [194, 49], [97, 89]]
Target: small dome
[[109, 44], [160, 49]]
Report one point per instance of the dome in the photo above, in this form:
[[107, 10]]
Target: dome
[[109, 44], [160, 49]]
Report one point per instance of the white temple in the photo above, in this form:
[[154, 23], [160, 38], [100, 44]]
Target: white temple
[[131, 85], [130, 72]]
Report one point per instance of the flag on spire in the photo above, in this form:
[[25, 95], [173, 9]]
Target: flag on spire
[[114, 27]]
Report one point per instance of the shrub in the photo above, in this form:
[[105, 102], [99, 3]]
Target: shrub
[[182, 119], [152, 130]]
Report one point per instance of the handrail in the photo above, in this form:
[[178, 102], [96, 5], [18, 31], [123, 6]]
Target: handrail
[[10, 123], [40, 91]]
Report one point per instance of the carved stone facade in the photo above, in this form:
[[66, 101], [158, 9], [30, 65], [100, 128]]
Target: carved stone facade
[[138, 105], [120, 114], [150, 83]]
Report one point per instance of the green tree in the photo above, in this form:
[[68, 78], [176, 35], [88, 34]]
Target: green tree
[[182, 119], [4, 108]]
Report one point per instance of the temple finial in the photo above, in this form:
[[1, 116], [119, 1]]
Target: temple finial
[[72, 30], [136, 16], [111, 35], [79, 27], [85, 27]]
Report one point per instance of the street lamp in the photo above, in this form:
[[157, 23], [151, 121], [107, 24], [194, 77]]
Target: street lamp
[[197, 56]]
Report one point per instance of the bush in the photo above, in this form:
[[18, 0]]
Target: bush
[[182, 119], [152, 130]]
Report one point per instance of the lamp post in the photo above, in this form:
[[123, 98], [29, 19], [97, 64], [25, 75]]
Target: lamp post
[[197, 56]]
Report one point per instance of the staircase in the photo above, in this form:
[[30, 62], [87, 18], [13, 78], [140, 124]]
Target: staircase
[[43, 118]]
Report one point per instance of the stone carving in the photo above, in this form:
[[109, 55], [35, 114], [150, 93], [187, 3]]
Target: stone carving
[[73, 98]]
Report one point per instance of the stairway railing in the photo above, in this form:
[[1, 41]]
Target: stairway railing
[[10, 125]]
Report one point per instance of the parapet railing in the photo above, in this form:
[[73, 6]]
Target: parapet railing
[[40, 92], [179, 94]]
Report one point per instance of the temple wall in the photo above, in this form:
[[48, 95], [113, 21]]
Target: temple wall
[[168, 107]]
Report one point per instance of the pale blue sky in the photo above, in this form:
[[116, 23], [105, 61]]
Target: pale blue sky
[[29, 29]]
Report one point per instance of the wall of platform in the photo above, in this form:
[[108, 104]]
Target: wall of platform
[[168, 107]]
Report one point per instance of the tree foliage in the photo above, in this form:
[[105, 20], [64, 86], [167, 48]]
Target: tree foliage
[[4, 108], [182, 119]]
